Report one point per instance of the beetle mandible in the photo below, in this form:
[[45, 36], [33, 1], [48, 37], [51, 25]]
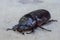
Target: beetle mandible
[[33, 20]]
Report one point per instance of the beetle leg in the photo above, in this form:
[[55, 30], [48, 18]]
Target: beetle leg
[[45, 29], [49, 21], [31, 31], [52, 20], [9, 29]]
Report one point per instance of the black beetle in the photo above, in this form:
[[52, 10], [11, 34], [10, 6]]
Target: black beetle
[[33, 20]]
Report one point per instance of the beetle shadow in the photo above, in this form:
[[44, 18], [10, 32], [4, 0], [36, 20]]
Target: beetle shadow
[[30, 1]]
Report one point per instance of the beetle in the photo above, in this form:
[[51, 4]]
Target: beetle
[[33, 20]]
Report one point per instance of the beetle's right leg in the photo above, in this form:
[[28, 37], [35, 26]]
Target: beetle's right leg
[[52, 20], [49, 21], [45, 29]]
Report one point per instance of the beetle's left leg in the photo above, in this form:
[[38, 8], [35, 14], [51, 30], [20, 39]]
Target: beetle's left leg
[[49, 21], [32, 31], [45, 29]]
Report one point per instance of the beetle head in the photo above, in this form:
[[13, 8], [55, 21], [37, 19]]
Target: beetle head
[[14, 28]]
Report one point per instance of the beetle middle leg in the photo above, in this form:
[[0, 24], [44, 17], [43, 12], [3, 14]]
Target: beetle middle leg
[[45, 29]]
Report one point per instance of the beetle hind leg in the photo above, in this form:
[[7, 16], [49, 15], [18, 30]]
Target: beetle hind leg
[[49, 21], [45, 29]]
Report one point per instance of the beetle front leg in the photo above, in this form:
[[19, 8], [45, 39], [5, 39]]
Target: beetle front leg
[[32, 31], [45, 29]]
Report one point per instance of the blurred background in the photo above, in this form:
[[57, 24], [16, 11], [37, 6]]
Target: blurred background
[[12, 10]]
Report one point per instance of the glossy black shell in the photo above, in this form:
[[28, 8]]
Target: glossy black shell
[[37, 13]]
